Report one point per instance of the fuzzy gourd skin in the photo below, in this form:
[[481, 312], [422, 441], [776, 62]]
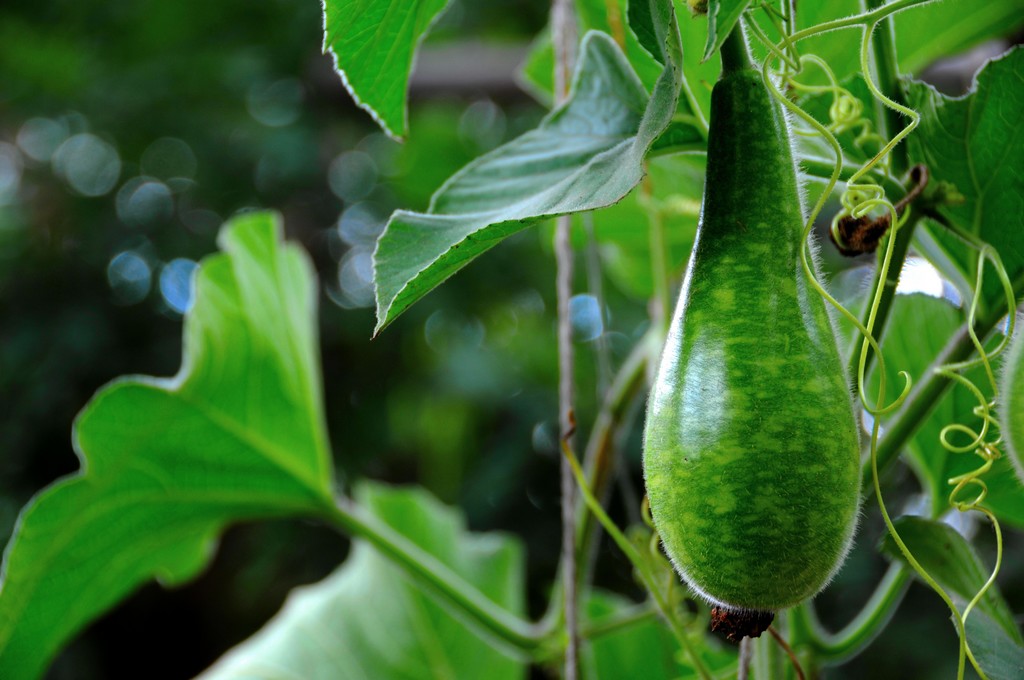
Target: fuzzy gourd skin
[[751, 447], [1011, 390]]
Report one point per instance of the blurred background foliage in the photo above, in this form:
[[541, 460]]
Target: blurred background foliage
[[130, 129]]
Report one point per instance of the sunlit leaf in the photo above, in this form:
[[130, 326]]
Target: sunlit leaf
[[975, 143], [373, 43], [368, 620], [585, 155], [168, 463]]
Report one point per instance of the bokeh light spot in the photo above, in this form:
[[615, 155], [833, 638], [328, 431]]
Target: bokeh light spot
[[360, 224], [355, 279], [144, 200], [88, 164], [585, 315], [40, 137], [277, 104], [176, 284], [483, 125], [352, 176], [130, 277], [10, 172]]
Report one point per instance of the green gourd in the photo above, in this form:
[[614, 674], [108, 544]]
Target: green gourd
[[1011, 394], [751, 446]]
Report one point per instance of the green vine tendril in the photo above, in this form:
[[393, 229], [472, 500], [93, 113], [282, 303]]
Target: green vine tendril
[[860, 198]]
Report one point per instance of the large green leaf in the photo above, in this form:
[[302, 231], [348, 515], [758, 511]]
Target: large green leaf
[[373, 43], [649, 20], [940, 29], [586, 155], [999, 655], [368, 621], [976, 143], [951, 561], [166, 464]]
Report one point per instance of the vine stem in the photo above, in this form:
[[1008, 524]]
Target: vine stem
[[822, 169], [563, 31], [595, 285], [434, 576], [642, 568], [870, 17], [745, 657], [599, 457], [781, 641], [865, 627], [889, 280]]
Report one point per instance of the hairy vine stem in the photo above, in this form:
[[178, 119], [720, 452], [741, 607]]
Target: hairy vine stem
[[563, 31]]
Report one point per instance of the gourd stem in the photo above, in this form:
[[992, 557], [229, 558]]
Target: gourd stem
[[767, 659], [436, 577], [735, 53], [859, 633]]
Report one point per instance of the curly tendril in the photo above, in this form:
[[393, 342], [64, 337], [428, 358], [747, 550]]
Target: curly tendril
[[860, 198]]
